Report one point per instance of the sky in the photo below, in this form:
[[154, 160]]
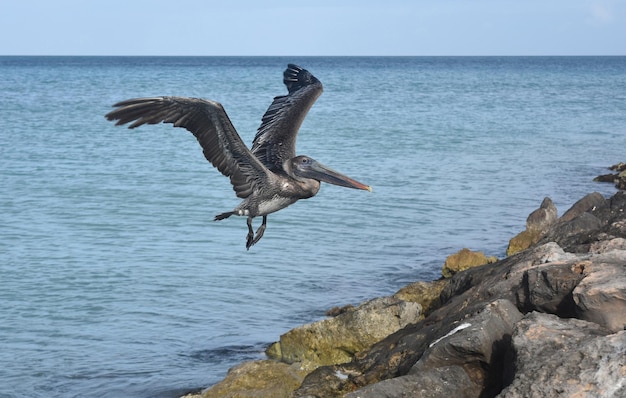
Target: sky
[[313, 27]]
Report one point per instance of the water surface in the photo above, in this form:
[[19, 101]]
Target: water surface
[[114, 279]]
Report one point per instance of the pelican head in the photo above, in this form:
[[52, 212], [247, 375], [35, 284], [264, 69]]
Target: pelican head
[[302, 167]]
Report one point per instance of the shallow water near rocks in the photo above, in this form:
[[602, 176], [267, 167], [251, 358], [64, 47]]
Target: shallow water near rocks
[[114, 279]]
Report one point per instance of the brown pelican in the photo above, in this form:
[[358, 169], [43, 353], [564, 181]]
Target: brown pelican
[[270, 176]]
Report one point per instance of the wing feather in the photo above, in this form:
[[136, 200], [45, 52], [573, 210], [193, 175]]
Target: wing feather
[[209, 123], [275, 140]]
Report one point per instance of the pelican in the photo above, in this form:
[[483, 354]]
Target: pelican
[[268, 177]]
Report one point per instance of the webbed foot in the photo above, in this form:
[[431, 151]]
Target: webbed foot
[[251, 239]]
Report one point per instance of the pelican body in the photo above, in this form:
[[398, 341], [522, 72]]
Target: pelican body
[[268, 177]]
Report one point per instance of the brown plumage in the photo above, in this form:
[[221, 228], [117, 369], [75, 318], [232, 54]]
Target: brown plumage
[[270, 176]]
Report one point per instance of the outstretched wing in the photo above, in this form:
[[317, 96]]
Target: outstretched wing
[[275, 140], [210, 124]]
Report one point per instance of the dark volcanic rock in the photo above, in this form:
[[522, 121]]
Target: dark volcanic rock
[[545, 278], [445, 381], [603, 220], [476, 346], [606, 178], [472, 352], [467, 294], [590, 202], [619, 179], [549, 288], [619, 167], [586, 222], [576, 232]]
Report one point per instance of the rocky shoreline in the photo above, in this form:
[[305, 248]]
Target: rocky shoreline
[[547, 320]]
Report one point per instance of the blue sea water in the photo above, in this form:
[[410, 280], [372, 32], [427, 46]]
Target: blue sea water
[[116, 282]]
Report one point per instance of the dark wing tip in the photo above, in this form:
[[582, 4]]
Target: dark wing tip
[[296, 77], [132, 109]]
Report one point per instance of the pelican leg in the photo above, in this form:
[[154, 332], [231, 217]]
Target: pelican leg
[[260, 231], [251, 239]]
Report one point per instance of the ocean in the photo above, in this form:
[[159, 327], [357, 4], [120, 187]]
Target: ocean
[[116, 282]]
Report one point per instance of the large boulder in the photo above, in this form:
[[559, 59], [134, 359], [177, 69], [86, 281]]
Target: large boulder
[[540, 279], [260, 379], [619, 178], [336, 340], [552, 357], [444, 381], [601, 296], [537, 223], [590, 220], [425, 293], [472, 352], [463, 346], [463, 296], [542, 218], [603, 220], [523, 241], [589, 202], [464, 259]]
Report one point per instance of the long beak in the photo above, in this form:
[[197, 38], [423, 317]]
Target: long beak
[[325, 174]]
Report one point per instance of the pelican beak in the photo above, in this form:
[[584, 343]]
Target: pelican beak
[[322, 173]]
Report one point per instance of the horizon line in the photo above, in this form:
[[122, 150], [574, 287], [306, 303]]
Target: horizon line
[[313, 56]]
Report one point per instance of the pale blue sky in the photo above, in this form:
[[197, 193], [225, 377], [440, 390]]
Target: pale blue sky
[[313, 27]]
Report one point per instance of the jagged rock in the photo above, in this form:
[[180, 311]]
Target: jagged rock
[[608, 245], [472, 354], [565, 357], [619, 178], [465, 294], [444, 381], [260, 379], [477, 346], [336, 340], [463, 260], [424, 293], [605, 220], [621, 166], [614, 218], [537, 223], [548, 288], [509, 278], [472, 351], [570, 231], [325, 382], [578, 269], [589, 202], [601, 296], [606, 178], [542, 218], [523, 241], [575, 226]]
